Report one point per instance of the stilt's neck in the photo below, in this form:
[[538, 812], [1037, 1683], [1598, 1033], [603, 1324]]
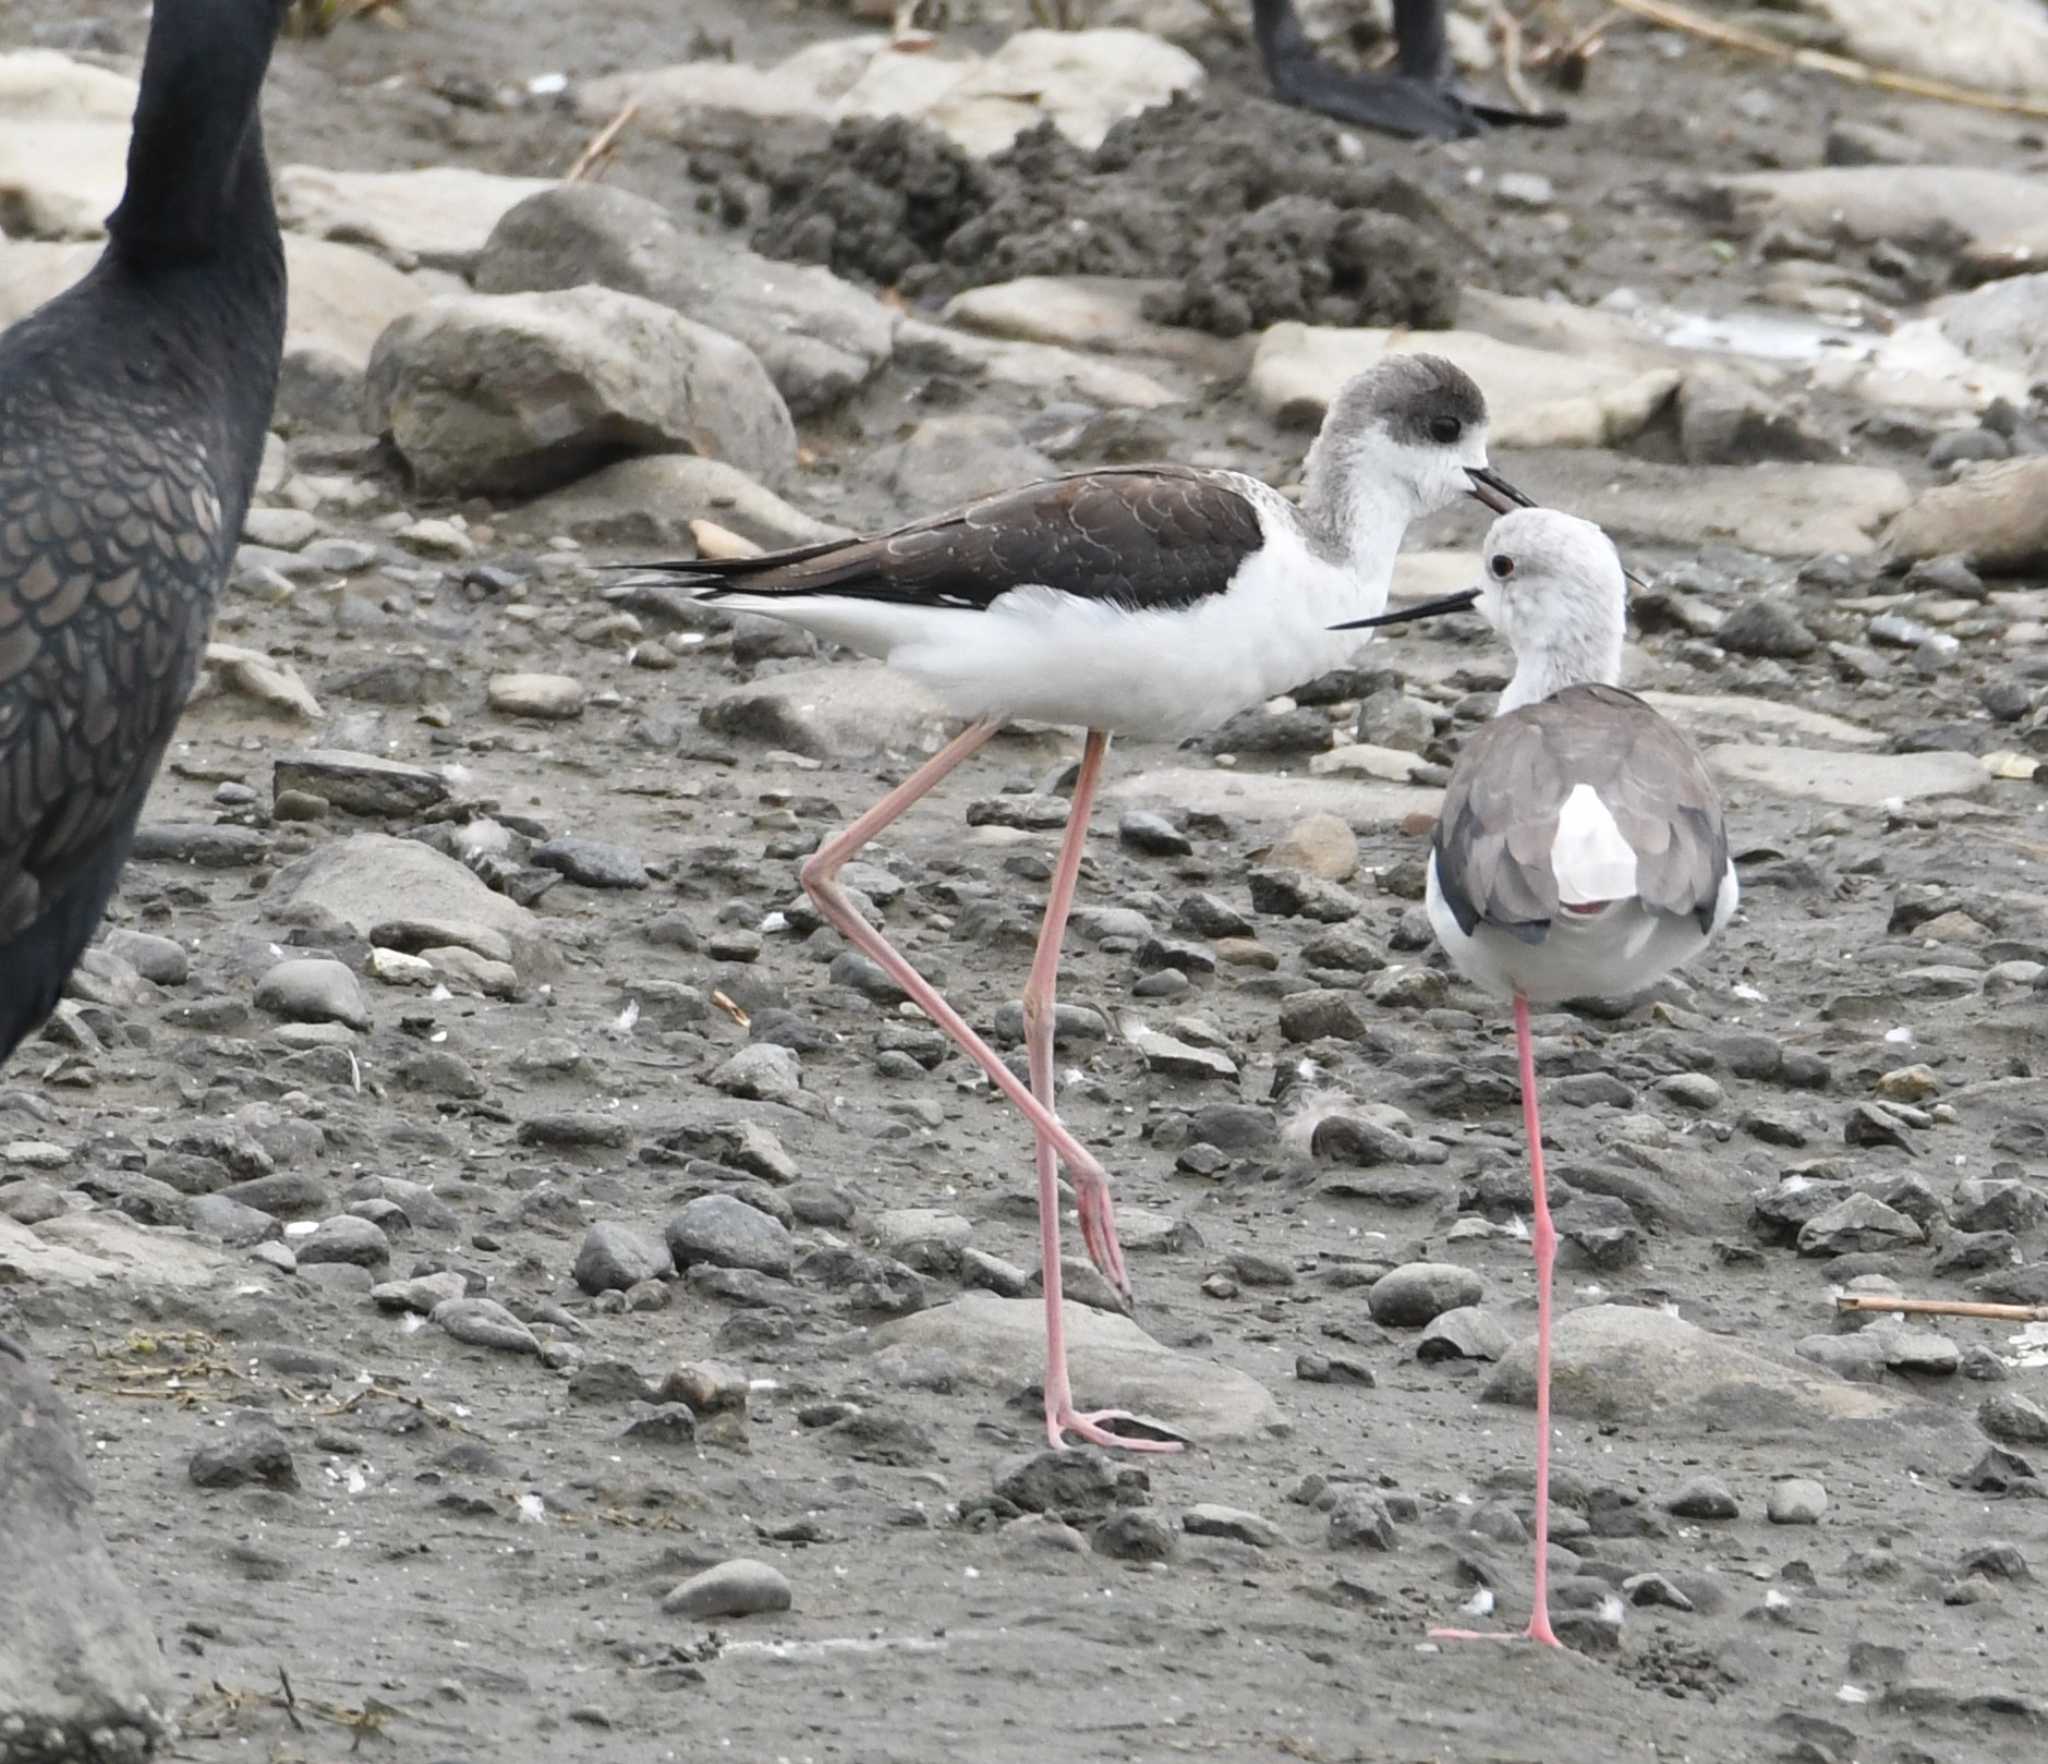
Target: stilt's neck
[[1588, 655]]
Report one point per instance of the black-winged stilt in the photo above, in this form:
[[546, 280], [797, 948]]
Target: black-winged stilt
[[1580, 851], [1141, 600]]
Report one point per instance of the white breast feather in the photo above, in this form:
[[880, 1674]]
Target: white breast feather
[[1589, 857]]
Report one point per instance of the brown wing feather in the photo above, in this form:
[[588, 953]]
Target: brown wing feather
[[1500, 812], [1153, 536]]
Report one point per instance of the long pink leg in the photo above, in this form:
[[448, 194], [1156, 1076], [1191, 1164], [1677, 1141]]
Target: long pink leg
[[1098, 1224], [1544, 1235], [821, 881]]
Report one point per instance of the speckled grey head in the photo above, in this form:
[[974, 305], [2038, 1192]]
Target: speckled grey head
[[1401, 439]]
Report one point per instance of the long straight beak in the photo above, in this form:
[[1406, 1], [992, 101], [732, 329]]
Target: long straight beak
[[1422, 609], [1489, 487]]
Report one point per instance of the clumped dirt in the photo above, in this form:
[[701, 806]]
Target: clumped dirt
[[470, 1565], [1250, 209]]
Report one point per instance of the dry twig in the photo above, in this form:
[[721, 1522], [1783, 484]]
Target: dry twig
[[602, 143], [1841, 67], [1864, 1301]]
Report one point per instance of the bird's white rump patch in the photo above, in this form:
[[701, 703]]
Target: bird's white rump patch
[[1589, 857]]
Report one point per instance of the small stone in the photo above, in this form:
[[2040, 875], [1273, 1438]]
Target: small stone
[[592, 863], [1997, 1203], [1654, 1589], [615, 1256], [553, 697], [739, 1588], [1411, 1295], [254, 1451], [1153, 834], [1797, 1500], [727, 1233], [1858, 1222], [1323, 845], [420, 1294], [1465, 1332], [1171, 1057], [1359, 1520], [1137, 1534], [1702, 1497], [1209, 1520], [2013, 1419], [358, 783], [345, 1238], [762, 1071], [1765, 626], [1058, 1482], [314, 989], [1292, 894], [1924, 1351], [1692, 1090], [1909, 1084], [664, 1424], [483, 1322]]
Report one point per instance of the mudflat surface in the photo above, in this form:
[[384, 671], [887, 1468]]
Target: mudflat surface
[[472, 1562]]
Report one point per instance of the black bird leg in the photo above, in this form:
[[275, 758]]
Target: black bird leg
[[1415, 100]]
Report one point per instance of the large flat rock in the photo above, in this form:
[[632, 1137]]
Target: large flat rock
[[1913, 204], [1269, 796], [1848, 780], [1995, 514], [1535, 397], [86, 1249], [1082, 81], [80, 1669], [439, 216], [372, 881], [999, 1344], [1647, 1368], [1728, 716], [1781, 510], [1994, 46]]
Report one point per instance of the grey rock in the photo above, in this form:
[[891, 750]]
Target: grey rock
[[359, 783], [2013, 1419], [762, 1071], [615, 1256], [819, 338], [1629, 1363], [592, 862], [1858, 1222], [952, 459], [254, 1451], [314, 989], [230, 1222], [1766, 626], [483, 1322], [727, 1233], [739, 1588], [1465, 1332], [1171, 1057], [1291, 894], [1924, 1351], [1859, 1357], [1411, 1295], [1211, 1520], [663, 1424], [552, 698], [485, 393], [1797, 1500], [1318, 1013], [1702, 1497], [1153, 834], [1137, 1534], [1996, 1204], [1063, 1482], [1359, 1520], [345, 1238], [421, 1294], [161, 960], [79, 1665]]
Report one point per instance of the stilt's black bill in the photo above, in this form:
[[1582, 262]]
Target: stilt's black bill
[[1422, 609], [1489, 487]]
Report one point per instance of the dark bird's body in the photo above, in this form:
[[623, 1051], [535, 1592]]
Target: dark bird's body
[[132, 416]]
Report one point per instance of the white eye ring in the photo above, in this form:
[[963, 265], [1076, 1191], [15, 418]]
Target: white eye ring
[[1502, 566]]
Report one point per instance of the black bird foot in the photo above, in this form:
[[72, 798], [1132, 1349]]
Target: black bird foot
[[1395, 104]]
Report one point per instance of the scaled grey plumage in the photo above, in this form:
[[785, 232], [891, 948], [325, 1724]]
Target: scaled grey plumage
[[132, 416], [1500, 813]]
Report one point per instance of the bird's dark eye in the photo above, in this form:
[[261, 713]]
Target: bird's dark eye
[[1445, 429], [1502, 566]]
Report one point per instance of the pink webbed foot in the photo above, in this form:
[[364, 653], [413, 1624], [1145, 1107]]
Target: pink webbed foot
[[1090, 1428], [1539, 1630]]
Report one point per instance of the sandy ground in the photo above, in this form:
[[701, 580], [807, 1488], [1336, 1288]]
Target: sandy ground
[[476, 1558]]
